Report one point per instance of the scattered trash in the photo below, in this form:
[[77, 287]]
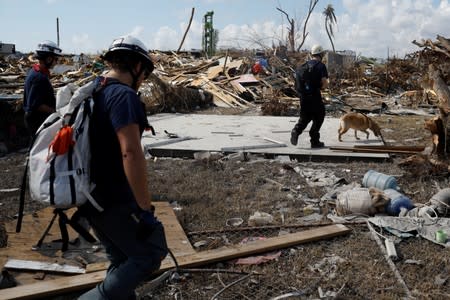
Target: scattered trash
[[440, 279], [413, 262], [397, 202], [441, 200], [441, 236], [171, 135], [260, 219], [312, 218], [234, 222], [207, 156], [289, 295], [328, 266], [201, 243], [424, 227], [390, 248], [361, 200], [310, 209], [8, 190]]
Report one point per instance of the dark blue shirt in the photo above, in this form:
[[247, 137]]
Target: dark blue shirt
[[38, 90], [116, 106], [319, 72]]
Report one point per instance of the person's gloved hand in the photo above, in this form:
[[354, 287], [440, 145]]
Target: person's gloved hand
[[151, 230], [147, 223], [148, 217]]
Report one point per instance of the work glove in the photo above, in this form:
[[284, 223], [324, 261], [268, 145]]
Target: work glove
[[150, 230]]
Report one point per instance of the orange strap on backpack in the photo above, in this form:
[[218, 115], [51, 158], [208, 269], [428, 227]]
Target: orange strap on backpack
[[62, 141]]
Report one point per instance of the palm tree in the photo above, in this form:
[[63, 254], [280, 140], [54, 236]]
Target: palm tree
[[330, 21]]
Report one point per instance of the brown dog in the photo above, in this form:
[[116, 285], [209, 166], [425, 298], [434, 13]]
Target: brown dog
[[357, 121]]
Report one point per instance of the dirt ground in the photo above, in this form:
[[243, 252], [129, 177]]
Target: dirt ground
[[206, 194]]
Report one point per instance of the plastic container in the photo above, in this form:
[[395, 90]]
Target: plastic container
[[379, 180], [260, 219], [441, 236], [398, 200], [357, 200], [441, 200]]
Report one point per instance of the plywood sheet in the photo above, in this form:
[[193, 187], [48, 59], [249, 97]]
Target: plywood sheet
[[20, 244]]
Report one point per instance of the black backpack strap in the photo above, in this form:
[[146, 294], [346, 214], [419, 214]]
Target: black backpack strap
[[75, 224], [41, 240], [63, 221], [23, 186]]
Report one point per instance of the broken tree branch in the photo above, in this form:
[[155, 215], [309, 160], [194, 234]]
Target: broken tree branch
[[187, 29]]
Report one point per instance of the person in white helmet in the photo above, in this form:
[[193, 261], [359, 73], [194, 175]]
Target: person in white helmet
[[311, 77], [132, 236], [39, 97]]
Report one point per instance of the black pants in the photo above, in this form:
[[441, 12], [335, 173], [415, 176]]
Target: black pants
[[314, 112], [33, 120]]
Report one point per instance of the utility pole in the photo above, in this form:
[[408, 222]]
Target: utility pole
[[387, 72], [57, 31]]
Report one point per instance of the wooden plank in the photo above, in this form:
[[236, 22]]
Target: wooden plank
[[386, 147], [77, 282], [177, 240], [49, 288], [372, 150], [260, 246], [42, 266]]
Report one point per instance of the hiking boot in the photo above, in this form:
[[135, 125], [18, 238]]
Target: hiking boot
[[317, 145], [294, 137]]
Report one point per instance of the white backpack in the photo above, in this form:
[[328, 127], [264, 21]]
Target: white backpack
[[62, 180]]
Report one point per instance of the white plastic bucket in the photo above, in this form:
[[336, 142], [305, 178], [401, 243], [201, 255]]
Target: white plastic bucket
[[379, 180], [357, 200]]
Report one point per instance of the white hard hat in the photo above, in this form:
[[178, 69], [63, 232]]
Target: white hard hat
[[316, 49], [131, 44], [48, 47]]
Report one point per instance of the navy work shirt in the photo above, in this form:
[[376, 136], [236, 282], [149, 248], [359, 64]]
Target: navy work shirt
[[320, 70], [38, 90], [116, 106]]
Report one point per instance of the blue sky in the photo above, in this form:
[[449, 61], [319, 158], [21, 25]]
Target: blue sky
[[368, 27]]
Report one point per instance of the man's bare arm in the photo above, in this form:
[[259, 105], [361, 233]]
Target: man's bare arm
[[134, 164]]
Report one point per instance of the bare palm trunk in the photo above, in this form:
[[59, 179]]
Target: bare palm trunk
[[329, 36]]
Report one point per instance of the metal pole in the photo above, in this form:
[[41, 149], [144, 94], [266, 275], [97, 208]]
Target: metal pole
[[57, 31]]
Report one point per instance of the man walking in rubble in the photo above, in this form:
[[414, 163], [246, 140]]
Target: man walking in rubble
[[39, 97], [133, 238], [310, 78]]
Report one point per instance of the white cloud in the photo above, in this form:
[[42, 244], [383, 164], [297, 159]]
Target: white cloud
[[165, 39], [137, 32], [82, 41], [371, 27]]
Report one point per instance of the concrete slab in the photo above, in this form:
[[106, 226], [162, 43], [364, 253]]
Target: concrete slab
[[266, 135]]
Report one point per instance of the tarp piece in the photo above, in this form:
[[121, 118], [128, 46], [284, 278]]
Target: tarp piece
[[425, 227]]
